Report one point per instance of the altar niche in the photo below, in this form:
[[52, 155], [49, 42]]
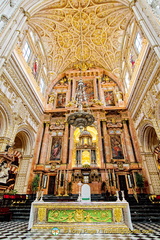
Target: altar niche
[[85, 148]]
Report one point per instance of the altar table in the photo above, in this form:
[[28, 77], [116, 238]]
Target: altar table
[[77, 216]]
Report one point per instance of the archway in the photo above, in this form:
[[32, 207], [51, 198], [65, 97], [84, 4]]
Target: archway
[[23, 143], [6, 125], [149, 140]]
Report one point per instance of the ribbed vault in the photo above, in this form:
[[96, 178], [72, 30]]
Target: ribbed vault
[[91, 31]]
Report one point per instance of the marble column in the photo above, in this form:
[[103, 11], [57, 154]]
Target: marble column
[[128, 143], [95, 88], [106, 143], [100, 141], [69, 92], [71, 146], [135, 142], [65, 144], [38, 143], [45, 140]]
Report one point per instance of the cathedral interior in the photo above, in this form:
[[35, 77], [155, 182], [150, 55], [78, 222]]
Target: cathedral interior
[[48, 50]]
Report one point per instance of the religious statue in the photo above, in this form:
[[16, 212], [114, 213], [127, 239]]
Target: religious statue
[[119, 96], [4, 172], [51, 98]]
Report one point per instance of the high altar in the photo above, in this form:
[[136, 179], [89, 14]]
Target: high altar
[[78, 217]]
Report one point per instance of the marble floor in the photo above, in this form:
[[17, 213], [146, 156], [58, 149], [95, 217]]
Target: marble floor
[[18, 230]]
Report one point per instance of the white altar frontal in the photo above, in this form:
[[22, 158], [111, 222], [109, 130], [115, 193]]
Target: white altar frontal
[[80, 217]]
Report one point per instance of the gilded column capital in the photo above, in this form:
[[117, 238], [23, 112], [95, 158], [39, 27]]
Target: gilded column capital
[[47, 123], [124, 121]]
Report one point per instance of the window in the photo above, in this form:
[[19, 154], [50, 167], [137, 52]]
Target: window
[[127, 79], [45, 70], [138, 42], [26, 52], [150, 1], [86, 179], [32, 36], [42, 85], [41, 48]]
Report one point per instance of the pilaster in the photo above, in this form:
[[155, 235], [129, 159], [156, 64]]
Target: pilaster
[[128, 143], [23, 175], [65, 144], [45, 141], [106, 142]]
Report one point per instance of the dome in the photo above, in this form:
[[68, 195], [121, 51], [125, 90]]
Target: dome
[[85, 133]]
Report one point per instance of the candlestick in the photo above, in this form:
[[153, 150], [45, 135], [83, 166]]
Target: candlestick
[[118, 200]]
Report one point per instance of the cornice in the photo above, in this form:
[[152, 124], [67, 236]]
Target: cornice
[[21, 84], [143, 82]]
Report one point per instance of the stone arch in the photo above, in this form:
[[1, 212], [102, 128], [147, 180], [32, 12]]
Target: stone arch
[[148, 137], [6, 120], [24, 140], [149, 140]]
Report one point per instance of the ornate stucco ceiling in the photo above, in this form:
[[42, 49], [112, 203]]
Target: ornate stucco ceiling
[[88, 30]]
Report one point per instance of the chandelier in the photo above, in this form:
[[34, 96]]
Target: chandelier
[[81, 118]]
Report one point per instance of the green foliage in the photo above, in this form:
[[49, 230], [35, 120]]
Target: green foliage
[[139, 180], [35, 183], [12, 192]]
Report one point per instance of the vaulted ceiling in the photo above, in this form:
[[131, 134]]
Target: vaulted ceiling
[[91, 31]]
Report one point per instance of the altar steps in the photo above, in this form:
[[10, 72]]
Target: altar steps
[[139, 213], [145, 213], [20, 213]]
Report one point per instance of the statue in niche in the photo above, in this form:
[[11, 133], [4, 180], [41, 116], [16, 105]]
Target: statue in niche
[[157, 152], [63, 81], [119, 96], [51, 98], [35, 68], [4, 174], [105, 79]]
